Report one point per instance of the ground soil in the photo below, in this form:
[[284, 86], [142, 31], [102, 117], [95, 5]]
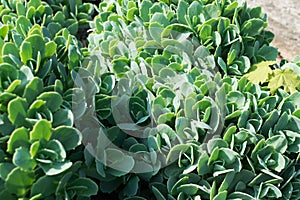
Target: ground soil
[[284, 22]]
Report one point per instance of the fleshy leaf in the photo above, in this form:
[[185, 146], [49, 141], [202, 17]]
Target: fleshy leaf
[[55, 168], [23, 159], [46, 185], [41, 130], [84, 187], [18, 181], [20, 137], [53, 100], [68, 136], [17, 111]]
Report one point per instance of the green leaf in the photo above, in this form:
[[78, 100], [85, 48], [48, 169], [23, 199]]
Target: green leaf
[[173, 155], [138, 148], [25, 52], [84, 187], [10, 48], [237, 98], [182, 11], [38, 43], [156, 29], [4, 194], [13, 86], [17, 109], [282, 122], [270, 189], [144, 10], [232, 54], [38, 106], [33, 89], [227, 181], [8, 70], [278, 142], [21, 10], [22, 159], [259, 72], [19, 182], [5, 169], [190, 189], [4, 31], [55, 168], [34, 3], [205, 31], [109, 186], [5, 97], [280, 162], [57, 147], [73, 6], [252, 27], [64, 180], [166, 118], [212, 11], [268, 52], [286, 78], [50, 48], [45, 186], [203, 167], [213, 190], [68, 136], [34, 148], [132, 186], [63, 117], [6, 128], [53, 100], [131, 13], [230, 8], [41, 130], [30, 12], [23, 25], [194, 9], [120, 66], [59, 86], [73, 27], [228, 155], [158, 195], [221, 196], [160, 18]]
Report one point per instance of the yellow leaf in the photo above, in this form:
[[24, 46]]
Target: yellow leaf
[[259, 72]]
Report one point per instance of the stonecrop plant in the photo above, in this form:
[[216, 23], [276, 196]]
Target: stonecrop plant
[[132, 99]]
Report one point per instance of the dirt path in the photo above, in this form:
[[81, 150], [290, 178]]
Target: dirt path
[[284, 22]]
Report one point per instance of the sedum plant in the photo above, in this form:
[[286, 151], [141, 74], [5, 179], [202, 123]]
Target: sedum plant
[[37, 124], [73, 15], [168, 53], [163, 100]]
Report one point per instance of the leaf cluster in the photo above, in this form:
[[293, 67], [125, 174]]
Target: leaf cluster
[[164, 100]]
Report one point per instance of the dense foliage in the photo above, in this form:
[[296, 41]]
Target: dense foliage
[[145, 100]]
